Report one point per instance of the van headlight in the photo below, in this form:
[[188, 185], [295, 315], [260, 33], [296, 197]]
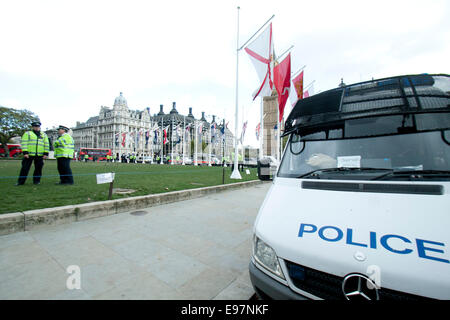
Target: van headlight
[[266, 257]]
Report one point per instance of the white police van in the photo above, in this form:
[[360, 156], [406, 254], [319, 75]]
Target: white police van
[[360, 206]]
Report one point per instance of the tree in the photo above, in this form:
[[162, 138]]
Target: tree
[[14, 123]]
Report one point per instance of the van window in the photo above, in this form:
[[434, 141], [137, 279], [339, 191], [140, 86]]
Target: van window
[[413, 151]]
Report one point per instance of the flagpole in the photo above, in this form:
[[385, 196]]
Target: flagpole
[[255, 32], [298, 71], [309, 85], [235, 174], [171, 143], [261, 136], [242, 134], [279, 57], [195, 144], [184, 134], [161, 152], [278, 136], [151, 146], [210, 140]]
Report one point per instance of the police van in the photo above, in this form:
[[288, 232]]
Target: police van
[[360, 205]]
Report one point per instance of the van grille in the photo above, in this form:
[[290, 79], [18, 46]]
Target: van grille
[[327, 286], [375, 187]]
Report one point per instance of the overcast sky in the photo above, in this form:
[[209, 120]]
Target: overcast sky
[[64, 59]]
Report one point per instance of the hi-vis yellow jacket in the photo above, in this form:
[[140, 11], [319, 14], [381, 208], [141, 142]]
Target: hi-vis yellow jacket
[[64, 146], [35, 145]]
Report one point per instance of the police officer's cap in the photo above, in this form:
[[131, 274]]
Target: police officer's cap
[[64, 128], [35, 124]]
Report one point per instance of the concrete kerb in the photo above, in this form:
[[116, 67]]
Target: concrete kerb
[[12, 222], [32, 219]]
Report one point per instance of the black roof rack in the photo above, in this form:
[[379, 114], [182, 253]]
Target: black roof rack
[[420, 93]]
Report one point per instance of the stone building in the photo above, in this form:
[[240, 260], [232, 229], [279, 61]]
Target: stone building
[[270, 132], [127, 131]]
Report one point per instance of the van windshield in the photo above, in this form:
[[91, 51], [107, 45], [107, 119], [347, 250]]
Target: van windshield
[[392, 157]]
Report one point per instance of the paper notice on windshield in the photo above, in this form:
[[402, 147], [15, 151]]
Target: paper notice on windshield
[[105, 178], [349, 162]]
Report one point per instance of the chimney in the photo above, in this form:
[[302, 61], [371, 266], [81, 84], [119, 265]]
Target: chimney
[[174, 109], [190, 113], [203, 116], [214, 119], [161, 112]]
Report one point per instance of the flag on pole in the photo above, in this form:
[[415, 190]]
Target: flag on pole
[[213, 132], [187, 131], [200, 131], [260, 52], [282, 80], [124, 136], [258, 129], [138, 135], [222, 133], [116, 136], [298, 85], [309, 92], [165, 135], [155, 137], [244, 126], [178, 135], [147, 136]]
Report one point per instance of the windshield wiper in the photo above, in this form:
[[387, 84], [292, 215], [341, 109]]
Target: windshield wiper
[[316, 173], [415, 173]]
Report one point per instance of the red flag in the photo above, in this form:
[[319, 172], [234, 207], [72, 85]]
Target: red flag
[[298, 85], [282, 79], [165, 135], [124, 135]]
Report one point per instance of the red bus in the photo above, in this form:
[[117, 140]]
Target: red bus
[[14, 150], [97, 153]]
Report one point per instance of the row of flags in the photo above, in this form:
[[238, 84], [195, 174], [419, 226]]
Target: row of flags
[[155, 135], [274, 74]]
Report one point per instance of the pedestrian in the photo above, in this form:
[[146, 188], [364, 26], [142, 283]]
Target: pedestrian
[[64, 148], [35, 148]]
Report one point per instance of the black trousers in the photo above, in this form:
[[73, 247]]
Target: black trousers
[[26, 165], [65, 173]]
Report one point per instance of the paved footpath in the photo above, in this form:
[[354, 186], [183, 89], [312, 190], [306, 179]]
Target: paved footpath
[[193, 249]]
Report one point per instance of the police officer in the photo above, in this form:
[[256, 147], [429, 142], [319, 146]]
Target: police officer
[[35, 147], [64, 149]]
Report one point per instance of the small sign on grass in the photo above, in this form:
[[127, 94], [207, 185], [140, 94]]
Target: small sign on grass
[[106, 178]]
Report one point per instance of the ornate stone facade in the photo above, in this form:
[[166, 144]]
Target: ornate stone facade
[[126, 131]]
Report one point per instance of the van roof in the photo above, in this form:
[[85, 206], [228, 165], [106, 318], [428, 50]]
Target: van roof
[[421, 93]]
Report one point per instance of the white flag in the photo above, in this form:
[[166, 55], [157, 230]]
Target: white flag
[[261, 53]]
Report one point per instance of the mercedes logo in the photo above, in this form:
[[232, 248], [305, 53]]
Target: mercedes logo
[[359, 287]]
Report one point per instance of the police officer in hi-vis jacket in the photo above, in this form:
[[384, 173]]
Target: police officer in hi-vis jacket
[[64, 149], [35, 147]]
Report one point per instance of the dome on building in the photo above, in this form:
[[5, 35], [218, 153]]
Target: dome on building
[[120, 102]]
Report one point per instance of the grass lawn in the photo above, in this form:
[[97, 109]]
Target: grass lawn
[[143, 178]]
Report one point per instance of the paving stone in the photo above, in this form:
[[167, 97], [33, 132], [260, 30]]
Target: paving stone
[[193, 249]]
